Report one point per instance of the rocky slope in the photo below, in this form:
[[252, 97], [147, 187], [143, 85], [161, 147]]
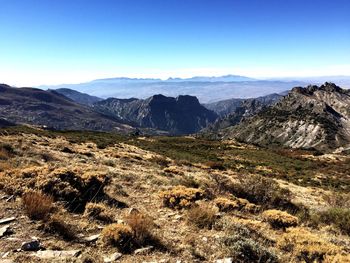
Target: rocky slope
[[311, 117], [52, 110], [181, 115]]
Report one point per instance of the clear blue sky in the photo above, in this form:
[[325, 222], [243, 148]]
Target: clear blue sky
[[60, 41]]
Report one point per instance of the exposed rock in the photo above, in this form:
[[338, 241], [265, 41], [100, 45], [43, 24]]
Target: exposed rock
[[50, 254], [144, 250], [5, 230], [33, 245], [7, 220], [89, 239], [224, 260], [112, 258], [312, 117], [181, 115]]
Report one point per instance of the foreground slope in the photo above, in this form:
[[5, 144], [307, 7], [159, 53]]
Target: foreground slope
[[311, 117], [53, 110], [170, 197]]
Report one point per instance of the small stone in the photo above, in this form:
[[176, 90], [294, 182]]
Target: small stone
[[113, 257], [177, 217], [49, 254], [224, 260], [142, 251], [92, 238], [33, 245], [5, 230], [205, 239], [7, 220]]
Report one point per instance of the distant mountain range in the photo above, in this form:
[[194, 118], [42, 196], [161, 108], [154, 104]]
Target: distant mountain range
[[313, 117], [206, 89]]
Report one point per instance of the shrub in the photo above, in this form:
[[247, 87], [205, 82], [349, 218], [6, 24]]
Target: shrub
[[266, 192], [215, 165], [160, 160], [6, 151], [306, 246], [181, 197], [226, 205], [98, 211], [203, 215], [339, 217], [37, 205], [57, 225], [280, 219], [118, 235], [142, 227]]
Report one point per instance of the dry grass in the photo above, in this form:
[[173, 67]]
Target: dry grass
[[57, 224], [227, 204], [202, 215], [280, 219], [181, 197], [118, 235], [306, 246], [142, 227], [98, 211], [37, 205]]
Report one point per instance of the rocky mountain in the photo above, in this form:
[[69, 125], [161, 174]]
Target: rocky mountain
[[225, 107], [81, 98], [180, 115], [312, 117], [52, 110], [234, 110]]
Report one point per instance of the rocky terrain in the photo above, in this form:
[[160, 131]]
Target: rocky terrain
[[101, 197], [180, 115], [312, 117], [52, 110]]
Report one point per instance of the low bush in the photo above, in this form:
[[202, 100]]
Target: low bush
[[339, 217], [227, 205], [305, 246], [37, 205], [142, 227], [57, 224], [118, 235], [280, 219], [98, 211], [215, 165], [181, 197], [202, 216]]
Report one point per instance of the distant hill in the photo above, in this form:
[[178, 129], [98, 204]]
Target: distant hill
[[181, 115], [206, 89], [225, 107], [52, 110], [312, 117], [81, 98]]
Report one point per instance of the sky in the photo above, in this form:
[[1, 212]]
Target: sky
[[72, 41]]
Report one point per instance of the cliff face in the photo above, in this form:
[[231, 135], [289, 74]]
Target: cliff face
[[311, 117], [181, 115]]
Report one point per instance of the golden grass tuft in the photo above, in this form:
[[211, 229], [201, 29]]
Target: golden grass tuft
[[280, 219], [57, 224], [202, 216], [181, 197], [142, 226], [37, 205], [118, 235], [225, 204], [306, 246]]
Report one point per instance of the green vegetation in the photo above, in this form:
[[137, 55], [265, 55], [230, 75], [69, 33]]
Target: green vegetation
[[287, 164]]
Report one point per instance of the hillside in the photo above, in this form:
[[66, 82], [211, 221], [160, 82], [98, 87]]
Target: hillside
[[81, 98], [181, 115], [100, 197], [52, 110], [311, 117]]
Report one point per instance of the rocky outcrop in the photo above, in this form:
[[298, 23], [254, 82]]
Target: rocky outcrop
[[181, 115], [311, 117]]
